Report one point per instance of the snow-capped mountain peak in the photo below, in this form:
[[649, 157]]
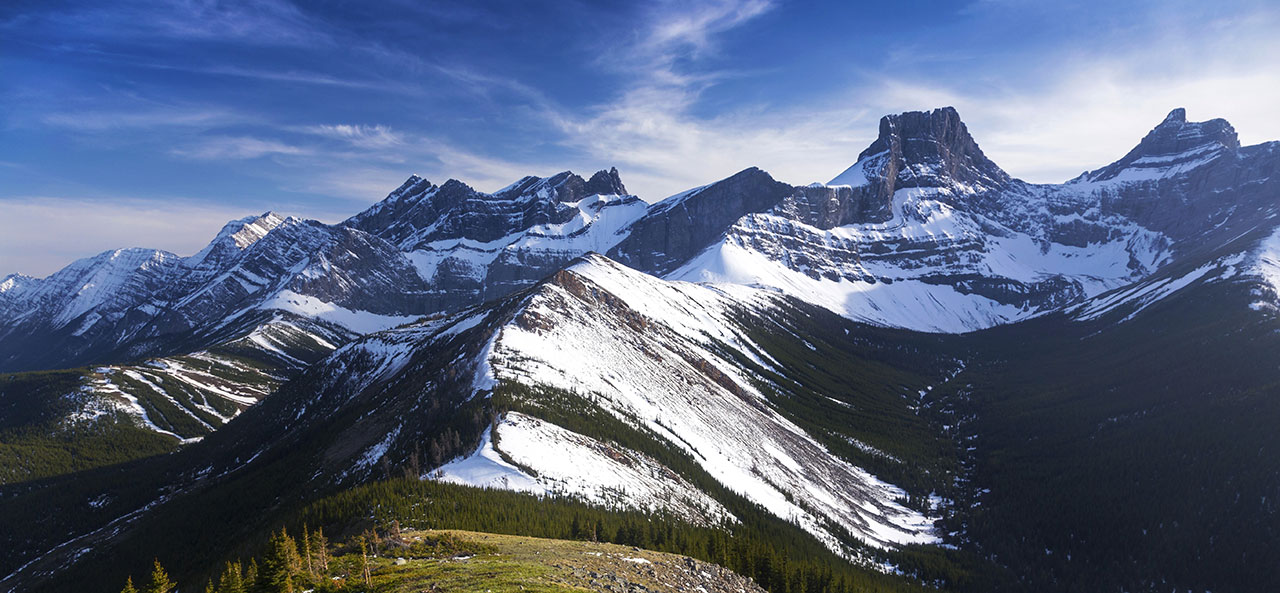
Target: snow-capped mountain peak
[[1173, 147], [235, 236], [923, 149]]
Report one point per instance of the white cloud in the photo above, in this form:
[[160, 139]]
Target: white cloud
[[258, 22], [1090, 108], [376, 136], [1045, 119], [105, 121], [237, 147]]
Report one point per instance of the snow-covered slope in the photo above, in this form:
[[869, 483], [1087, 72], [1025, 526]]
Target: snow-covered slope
[[906, 238], [924, 232], [472, 246], [526, 454], [654, 352], [128, 304], [188, 396], [672, 361]]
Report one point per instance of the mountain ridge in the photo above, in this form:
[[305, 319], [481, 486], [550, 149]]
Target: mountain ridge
[[922, 218]]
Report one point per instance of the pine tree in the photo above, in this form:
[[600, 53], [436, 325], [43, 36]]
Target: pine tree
[[128, 586], [306, 551], [364, 562], [251, 575], [231, 580], [322, 551], [280, 565], [160, 582]]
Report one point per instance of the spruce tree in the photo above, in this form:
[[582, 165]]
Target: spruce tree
[[280, 565], [128, 586], [322, 551], [251, 576], [306, 551], [160, 582], [231, 580]]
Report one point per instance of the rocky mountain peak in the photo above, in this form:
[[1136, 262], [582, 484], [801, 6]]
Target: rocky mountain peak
[[930, 147], [915, 149], [1175, 135], [412, 186], [1174, 145], [606, 183], [564, 187]]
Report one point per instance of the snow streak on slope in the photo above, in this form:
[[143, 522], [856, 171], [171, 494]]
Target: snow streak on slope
[[361, 322], [597, 225], [570, 464], [185, 397], [931, 267], [1267, 267], [652, 352]]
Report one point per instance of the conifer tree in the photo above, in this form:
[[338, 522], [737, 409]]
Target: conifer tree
[[306, 551], [160, 582], [251, 575], [322, 551], [280, 565], [364, 562], [128, 586], [231, 580]]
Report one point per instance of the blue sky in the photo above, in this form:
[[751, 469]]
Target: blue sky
[[137, 123]]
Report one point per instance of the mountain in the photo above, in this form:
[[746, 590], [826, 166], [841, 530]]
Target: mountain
[[128, 304], [470, 246], [925, 232], [922, 232], [926, 373], [628, 379]]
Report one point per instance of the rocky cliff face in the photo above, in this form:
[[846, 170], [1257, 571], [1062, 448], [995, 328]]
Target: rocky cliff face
[[679, 227], [1190, 181], [923, 231], [126, 304]]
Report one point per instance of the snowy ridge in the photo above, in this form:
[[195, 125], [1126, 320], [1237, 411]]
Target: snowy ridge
[[597, 224], [856, 174], [569, 464], [656, 359], [918, 269], [183, 397]]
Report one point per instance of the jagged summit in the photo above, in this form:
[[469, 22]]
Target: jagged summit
[[925, 149], [565, 186], [234, 237], [420, 214], [1173, 145]]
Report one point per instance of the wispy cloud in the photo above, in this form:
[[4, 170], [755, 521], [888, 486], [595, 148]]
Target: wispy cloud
[[375, 136], [237, 147], [143, 117], [1095, 105], [355, 177], [257, 22]]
